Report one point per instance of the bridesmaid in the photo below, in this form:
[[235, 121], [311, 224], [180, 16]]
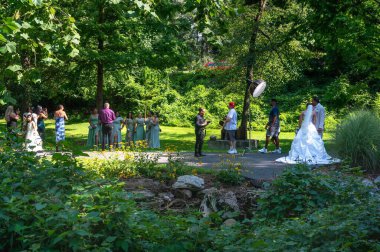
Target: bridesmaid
[[60, 117], [93, 139], [118, 125], [129, 122], [41, 116], [155, 132], [148, 124], [139, 126]]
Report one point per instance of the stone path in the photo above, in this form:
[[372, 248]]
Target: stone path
[[253, 165]]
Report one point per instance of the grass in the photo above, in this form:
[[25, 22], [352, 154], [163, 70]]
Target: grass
[[180, 139]]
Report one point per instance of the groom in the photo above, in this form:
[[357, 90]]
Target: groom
[[320, 115]]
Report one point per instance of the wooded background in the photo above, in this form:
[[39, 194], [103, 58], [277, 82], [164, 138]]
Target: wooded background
[[175, 56]]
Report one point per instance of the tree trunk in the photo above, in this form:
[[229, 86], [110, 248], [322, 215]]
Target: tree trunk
[[251, 62], [99, 64]]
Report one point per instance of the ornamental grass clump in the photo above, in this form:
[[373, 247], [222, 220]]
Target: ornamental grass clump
[[358, 140]]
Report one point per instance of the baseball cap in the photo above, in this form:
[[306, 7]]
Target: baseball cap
[[231, 104]]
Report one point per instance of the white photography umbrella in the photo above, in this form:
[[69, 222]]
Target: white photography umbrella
[[259, 89]]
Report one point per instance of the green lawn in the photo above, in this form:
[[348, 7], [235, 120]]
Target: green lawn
[[181, 139]]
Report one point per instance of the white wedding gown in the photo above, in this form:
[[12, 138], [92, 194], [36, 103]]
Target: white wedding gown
[[33, 140], [308, 147]]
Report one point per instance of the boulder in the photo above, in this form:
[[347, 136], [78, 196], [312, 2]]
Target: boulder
[[143, 194], [229, 200], [215, 200], [186, 193], [166, 196], [229, 222], [189, 182]]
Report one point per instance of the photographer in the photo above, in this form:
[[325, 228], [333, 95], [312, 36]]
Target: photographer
[[200, 132]]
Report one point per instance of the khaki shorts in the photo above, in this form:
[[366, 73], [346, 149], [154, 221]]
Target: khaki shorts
[[273, 132]]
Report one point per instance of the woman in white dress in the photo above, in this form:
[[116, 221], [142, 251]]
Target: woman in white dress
[[307, 146], [33, 139]]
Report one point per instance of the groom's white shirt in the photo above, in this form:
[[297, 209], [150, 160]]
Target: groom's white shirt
[[320, 116]]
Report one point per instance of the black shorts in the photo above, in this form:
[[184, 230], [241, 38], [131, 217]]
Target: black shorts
[[231, 135]]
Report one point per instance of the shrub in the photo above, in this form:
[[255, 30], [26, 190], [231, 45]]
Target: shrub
[[347, 227], [298, 191], [358, 140], [376, 104]]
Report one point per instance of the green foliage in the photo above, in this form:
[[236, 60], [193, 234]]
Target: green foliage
[[56, 204], [300, 191], [341, 227], [230, 173], [376, 104], [358, 140], [35, 37]]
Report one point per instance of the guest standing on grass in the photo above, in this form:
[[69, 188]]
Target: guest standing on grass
[[139, 126], [320, 115], [200, 132], [42, 114], [273, 129], [94, 130], [106, 117], [60, 117], [230, 125], [11, 118], [148, 124], [130, 124], [155, 133], [118, 125]]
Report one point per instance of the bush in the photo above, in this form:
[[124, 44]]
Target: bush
[[347, 227], [358, 140], [299, 191]]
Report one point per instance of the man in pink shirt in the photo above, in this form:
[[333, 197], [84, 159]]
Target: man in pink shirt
[[106, 117]]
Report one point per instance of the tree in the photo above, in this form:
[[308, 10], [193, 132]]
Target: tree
[[250, 64], [121, 35], [34, 35]]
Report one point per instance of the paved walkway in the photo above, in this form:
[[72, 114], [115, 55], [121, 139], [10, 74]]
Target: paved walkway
[[253, 165]]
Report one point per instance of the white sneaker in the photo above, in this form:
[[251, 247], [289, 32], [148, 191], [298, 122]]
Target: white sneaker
[[235, 151], [231, 151], [263, 150], [277, 151]]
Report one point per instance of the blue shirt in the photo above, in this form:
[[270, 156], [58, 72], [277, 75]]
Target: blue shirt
[[274, 113]]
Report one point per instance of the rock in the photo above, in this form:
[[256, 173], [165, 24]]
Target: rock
[[368, 183], [143, 194], [190, 182], [215, 200], [186, 193], [229, 199], [207, 191], [229, 222], [166, 196], [377, 180]]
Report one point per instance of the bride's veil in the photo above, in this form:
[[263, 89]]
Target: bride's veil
[[307, 117]]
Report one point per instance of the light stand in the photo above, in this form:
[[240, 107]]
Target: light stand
[[257, 87]]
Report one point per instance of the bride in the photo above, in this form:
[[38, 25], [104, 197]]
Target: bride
[[307, 147], [33, 140]]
